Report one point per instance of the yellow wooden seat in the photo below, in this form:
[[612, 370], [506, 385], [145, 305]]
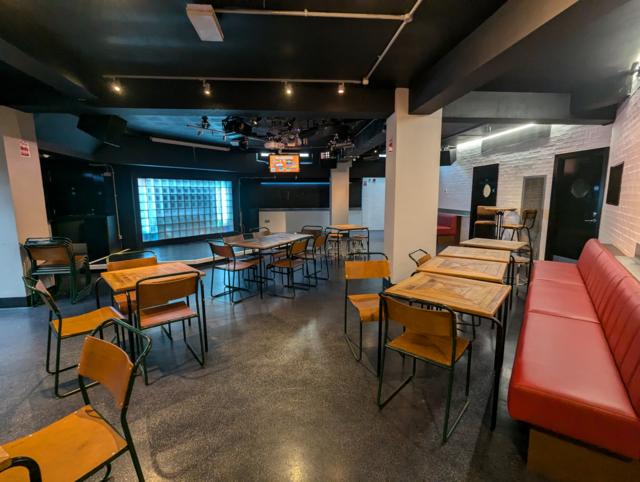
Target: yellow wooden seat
[[77, 325], [69, 449], [436, 348], [161, 314], [367, 305]]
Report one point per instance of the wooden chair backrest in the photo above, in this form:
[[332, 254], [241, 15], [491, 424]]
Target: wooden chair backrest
[[223, 250], [160, 290], [46, 298], [483, 211], [419, 320], [49, 253], [108, 365], [529, 216], [299, 246], [320, 241], [233, 239], [131, 263], [261, 234], [424, 259], [312, 232], [367, 269]]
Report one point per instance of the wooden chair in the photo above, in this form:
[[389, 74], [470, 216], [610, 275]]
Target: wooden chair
[[65, 328], [368, 305], [7, 462], [156, 306], [81, 444], [260, 229], [430, 336], [317, 251], [314, 231], [230, 267], [422, 260], [527, 221], [55, 256], [483, 211], [129, 260], [289, 264]]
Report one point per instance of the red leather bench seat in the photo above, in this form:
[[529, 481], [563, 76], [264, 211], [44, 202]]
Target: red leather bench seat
[[447, 224], [577, 365], [558, 272], [566, 380]]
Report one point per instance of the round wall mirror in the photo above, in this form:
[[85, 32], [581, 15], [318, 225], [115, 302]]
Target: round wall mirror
[[580, 188], [486, 192]]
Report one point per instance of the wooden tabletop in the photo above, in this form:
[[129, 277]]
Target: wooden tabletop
[[466, 268], [126, 279], [476, 253], [269, 241], [346, 227], [465, 295], [495, 244], [497, 208]]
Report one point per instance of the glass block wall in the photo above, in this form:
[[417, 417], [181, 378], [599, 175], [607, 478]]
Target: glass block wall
[[175, 208]]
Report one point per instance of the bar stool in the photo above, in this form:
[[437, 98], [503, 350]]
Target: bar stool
[[527, 221], [483, 211], [355, 243]]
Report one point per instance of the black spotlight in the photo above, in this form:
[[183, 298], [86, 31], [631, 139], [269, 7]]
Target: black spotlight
[[243, 144]]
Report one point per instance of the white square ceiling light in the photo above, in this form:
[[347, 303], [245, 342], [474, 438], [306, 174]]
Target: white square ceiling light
[[205, 22]]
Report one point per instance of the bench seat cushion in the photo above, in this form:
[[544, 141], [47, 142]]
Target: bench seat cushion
[[561, 299], [555, 271], [565, 379]]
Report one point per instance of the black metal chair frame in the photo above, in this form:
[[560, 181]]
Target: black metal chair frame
[[417, 251], [229, 282], [290, 271], [317, 253]]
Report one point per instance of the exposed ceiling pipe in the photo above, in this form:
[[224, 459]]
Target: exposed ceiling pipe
[[307, 13], [189, 144], [407, 18]]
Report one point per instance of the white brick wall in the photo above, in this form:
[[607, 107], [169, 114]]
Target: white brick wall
[[621, 224], [529, 159]]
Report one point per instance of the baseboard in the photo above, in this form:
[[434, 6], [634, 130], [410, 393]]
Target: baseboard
[[18, 302], [565, 460]]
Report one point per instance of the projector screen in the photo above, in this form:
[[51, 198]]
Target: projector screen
[[284, 163]]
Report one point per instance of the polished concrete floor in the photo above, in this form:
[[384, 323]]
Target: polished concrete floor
[[280, 398]]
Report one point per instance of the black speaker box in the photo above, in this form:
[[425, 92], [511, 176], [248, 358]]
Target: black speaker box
[[448, 157], [106, 128], [329, 163]]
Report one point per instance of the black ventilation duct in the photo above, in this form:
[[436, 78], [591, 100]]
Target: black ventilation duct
[[106, 128]]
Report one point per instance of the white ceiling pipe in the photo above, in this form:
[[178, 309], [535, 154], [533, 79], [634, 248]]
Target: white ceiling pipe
[[189, 144], [306, 13]]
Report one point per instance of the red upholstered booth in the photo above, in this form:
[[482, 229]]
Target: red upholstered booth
[[447, 224], [577, 365]]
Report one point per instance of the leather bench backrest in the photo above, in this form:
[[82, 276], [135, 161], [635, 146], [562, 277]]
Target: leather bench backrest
[[615, 294], [621, 324], [448, 220]]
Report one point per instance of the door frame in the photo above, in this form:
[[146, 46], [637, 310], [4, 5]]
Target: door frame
[[540, 215], [552, 222], [474, 212]]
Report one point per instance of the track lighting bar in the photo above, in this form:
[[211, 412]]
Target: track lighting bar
[[307, 13], [232, 79]]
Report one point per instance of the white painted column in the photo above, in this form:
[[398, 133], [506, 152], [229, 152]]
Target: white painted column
[[412, 178], [339, 194], [22, 207]]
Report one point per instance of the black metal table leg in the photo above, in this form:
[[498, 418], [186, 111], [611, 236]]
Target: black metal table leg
[[380, 341], [132, 348], [204, 318], [497, 372]]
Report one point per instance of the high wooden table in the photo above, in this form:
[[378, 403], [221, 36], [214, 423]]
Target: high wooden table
[[498, 213], [466, 268], [124, 281], [268, 242], [346, 229], [476, 253], [473, 297]]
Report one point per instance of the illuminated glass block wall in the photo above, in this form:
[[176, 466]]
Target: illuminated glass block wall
[[175, 208]]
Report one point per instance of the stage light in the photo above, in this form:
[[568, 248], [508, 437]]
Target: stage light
[[200, 132], [287, 88], [116, 85], [207, 88], [341, 88]]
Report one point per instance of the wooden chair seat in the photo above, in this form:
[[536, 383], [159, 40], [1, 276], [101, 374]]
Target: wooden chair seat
[[486, 222], [121, 301], [521, 260], [76, 325], [286, 263], [60, 265], [358, 236], [513, 226], [436, 348], [240, 265], [278, 254], [161, 314], [68, 449], [368, 306]]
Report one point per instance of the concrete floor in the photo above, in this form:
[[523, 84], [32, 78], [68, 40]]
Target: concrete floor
[[280, 398]]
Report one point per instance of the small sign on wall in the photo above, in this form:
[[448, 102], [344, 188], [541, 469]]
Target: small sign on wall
[[390, 148], [24, 149]]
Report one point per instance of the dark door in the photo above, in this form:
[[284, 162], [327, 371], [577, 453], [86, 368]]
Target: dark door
[[484, 192], [576, 202]]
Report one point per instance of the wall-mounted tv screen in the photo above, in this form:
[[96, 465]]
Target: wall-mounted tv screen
[[615, 184], [284, 163]]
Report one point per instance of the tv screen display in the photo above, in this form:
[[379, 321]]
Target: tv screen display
[[284, 163], [615, 184]]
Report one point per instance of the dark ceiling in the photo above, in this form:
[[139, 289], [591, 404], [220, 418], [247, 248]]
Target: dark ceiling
[[82, 41]]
